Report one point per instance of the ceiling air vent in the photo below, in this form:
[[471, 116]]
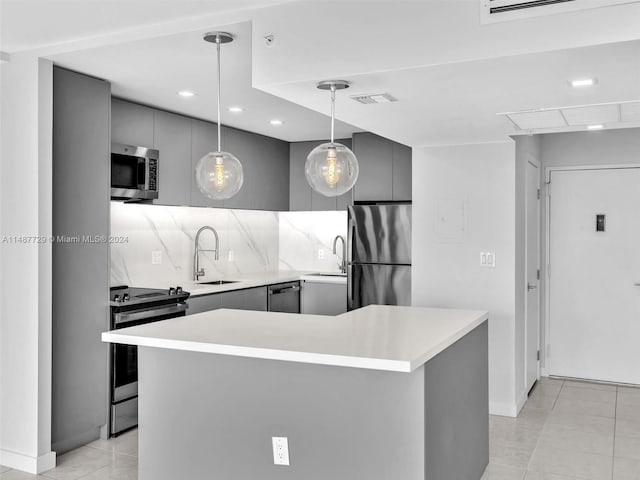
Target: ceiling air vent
[[503, 10], [373, 98]]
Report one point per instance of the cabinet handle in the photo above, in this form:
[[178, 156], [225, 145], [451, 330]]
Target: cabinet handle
[[293, 288]]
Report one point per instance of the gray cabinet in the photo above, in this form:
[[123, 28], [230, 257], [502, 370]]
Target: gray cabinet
[[301, 196], [324, 298], [172, 137], [385, 169], [204, 303], [401, 172], [80, 295], [265, 162], [204, 139], [131, 124], [247, 299]]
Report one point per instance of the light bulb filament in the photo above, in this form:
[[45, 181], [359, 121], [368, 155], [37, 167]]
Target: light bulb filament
[[332, 175], [218, 175]]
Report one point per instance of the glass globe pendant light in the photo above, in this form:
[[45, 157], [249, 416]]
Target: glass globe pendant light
[[332, 168], [219, 174]]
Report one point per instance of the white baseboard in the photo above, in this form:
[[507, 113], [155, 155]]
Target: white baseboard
[[521, 401], [503, 409], [26, 463]]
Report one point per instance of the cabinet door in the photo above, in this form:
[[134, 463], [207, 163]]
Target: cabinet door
[[401, 172], [173, 140], [247, 299], [324, 298], [204, 139], [204, 303], [131, 124], [375, 156], [284, 297], [299, 189], [265, 162]]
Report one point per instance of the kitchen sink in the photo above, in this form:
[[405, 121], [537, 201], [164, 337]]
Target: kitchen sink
[[218, 282]]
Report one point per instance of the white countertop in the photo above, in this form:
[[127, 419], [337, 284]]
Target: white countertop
[[391, 338]]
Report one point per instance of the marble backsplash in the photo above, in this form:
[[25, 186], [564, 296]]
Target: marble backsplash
[[248, 243], [158, 242], [306, 236]]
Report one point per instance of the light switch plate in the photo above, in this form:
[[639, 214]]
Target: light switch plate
[[280, 450], [488, 259], [156, 257]]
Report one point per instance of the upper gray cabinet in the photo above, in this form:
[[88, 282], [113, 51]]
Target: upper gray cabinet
[[301, 196], [131, 124], [265, 162], [385, 169], [172, 137]]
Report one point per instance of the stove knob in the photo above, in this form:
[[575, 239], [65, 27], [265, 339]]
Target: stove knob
[[116, 298], [172, 291], [178, 290], [125, 297]]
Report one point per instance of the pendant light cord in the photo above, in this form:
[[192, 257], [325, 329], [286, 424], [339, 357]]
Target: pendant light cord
[[333, 109], [219, 135]]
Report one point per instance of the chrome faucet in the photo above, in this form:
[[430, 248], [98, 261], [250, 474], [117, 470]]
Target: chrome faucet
[[343, 263], [197, 271]]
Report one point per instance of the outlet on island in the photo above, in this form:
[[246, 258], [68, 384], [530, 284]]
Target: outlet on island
[[280, 450]]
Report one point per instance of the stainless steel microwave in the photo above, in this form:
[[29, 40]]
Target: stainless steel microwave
[[134, 172]]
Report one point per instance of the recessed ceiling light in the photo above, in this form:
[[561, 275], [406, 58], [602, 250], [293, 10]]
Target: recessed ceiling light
[[595, 127], [276, 122], [186, 93], [236, 109], [583, 82]]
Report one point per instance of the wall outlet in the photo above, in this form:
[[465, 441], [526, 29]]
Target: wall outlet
[[321, 254], [280, 450], [156, 257], [488, 259], [231, 255]]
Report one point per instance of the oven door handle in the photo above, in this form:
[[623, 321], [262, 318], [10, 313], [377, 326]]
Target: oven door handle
[[126, 317]]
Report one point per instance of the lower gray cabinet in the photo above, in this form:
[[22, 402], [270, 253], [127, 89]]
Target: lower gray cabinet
[[246, 299], [204, 303], [324, 298], [284, 297]]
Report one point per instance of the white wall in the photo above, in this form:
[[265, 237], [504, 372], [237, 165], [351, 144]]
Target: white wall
[[463, 203], [25, 294], [603, 147]]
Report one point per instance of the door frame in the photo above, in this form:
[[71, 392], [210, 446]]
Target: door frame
[[536, 164], [545, 340]]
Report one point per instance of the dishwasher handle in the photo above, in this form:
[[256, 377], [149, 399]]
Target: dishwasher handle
[[292, 288]]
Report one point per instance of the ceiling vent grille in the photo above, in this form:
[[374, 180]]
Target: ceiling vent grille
[[504, 10], [374, 98]]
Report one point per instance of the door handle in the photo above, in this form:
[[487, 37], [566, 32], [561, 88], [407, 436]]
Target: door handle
[[531, 287]]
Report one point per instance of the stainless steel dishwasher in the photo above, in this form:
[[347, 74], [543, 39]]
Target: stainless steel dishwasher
[[284, 297]]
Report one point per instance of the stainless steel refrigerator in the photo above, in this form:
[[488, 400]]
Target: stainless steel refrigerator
[[379, 259]]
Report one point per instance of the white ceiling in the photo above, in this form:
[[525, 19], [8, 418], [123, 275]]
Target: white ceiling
[[451, 74], [153, 71]]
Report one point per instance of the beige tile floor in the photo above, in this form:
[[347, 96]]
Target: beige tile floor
[[566, 431]]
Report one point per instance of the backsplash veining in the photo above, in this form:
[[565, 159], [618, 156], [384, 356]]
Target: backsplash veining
[[304, 234], [251, 235], [260, 241]]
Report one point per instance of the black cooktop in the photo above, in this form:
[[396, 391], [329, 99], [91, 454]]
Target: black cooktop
[[125, 296]]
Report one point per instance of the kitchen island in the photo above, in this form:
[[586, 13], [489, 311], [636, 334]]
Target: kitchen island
[[382, 392]]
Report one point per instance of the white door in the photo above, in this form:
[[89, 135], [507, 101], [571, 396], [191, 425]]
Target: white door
[[532, 323], [594, 303]]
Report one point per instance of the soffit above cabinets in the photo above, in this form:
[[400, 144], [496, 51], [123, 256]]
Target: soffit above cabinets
[[610, 115]]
